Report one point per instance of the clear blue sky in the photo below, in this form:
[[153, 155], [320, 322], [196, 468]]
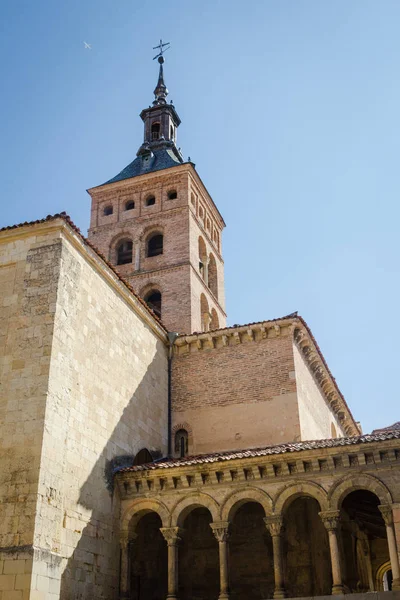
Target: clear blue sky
[[290, 110]]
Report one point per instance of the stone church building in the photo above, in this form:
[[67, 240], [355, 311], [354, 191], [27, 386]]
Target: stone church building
[[147, 450]]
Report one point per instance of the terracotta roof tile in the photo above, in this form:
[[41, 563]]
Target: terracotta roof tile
[[394, 427], [265, 451]]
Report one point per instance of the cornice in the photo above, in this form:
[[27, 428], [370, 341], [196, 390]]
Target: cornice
[[341, 460], [324, 379]]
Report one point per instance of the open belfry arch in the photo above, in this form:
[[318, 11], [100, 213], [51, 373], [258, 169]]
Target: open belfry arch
[[148, 451]]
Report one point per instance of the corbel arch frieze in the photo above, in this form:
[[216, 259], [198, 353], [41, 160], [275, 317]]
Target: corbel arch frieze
[[191, 501], [239, 497], [351, 483], [138, 508], [305, 488]]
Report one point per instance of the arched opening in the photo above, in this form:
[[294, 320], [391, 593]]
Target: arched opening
[[306, 550], [149, 560], [150, 200], [198, 558], [363, 540], [155, 245], [172, 195], [154, 301], [387, 580], [214, 319], [155, 130], [142, 457], [181, 443], [124, 252], [333, 431], [212, 276], [108, 210], [202, 258], [251, 556], [204, 313], [130, 205]]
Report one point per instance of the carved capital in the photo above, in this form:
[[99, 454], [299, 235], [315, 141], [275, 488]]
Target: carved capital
[[220, 530], [274, 524], [331, 519], [387, 513], [172, 535]]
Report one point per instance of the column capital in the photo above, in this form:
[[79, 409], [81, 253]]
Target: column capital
[[274, 524], [125, 538], [387, 513], [172, 535], [220, 530], [331, 519]]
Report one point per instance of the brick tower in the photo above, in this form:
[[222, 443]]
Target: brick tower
[[156, 222]]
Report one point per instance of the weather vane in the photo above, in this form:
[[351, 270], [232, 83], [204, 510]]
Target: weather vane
[[162, 48]]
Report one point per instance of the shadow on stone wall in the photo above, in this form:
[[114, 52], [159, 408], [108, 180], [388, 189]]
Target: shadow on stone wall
[[92, 572]]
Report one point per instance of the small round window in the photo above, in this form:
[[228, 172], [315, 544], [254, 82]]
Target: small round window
[[108, 210], [172, 195], [130, 205]]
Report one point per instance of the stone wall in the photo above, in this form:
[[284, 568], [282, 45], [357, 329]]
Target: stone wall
[[317, 421], [29, 273], [85, 382]]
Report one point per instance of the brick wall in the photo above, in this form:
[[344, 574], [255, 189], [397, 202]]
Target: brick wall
[[238, 396]]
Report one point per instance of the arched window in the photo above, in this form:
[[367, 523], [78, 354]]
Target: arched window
[[171, 132], [202, 258], [124, 252], [204, 313], [172, 195], [142, 457], [155, 131], [153, 300], [130, 205], [214, 319], [213, 276], [150, 200], [155, 245], [108, 211], [181, 443]]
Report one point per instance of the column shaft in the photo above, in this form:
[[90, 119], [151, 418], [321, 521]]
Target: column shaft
[[387, 514], [274, 525], [221, 533], [331, 521], [172, 535]]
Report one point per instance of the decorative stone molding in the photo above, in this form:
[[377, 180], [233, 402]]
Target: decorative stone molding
[[330, 519], [220, 530], [172, 535], [387, 513], [274, 524], [324, 379]]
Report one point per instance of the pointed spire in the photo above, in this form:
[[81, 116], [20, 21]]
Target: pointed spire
[[161, 91]]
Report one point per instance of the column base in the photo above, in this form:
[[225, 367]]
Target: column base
[[280, 593], [337, 590], [223, 596], [396, 585], [173, 597]]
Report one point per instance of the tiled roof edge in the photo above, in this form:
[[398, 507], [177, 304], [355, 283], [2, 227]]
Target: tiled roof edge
[[265, 451]]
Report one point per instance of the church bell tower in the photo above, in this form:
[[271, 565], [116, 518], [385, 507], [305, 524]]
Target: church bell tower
[[156, 222]]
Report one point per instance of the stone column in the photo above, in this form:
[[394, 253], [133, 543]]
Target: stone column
[[173, 536], [274, 525], [136, 258], [387, 514], [221, 532], [331, 520], [124, 585], [206, 262], [206, 321]]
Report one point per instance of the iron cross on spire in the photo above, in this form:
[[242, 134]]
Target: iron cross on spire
[[162, 48]]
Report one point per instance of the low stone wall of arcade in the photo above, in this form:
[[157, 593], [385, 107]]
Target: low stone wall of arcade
[[310, 523]]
